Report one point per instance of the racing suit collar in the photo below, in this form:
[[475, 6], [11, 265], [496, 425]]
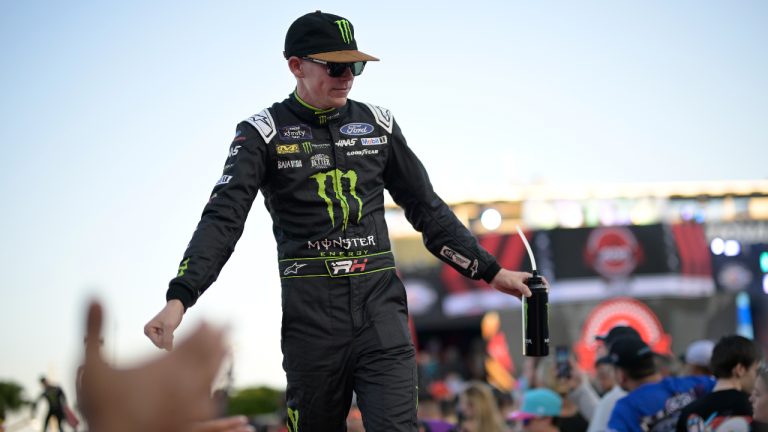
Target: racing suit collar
[[315, 116]]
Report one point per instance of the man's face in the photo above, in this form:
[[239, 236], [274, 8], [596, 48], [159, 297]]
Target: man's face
[[605, 377], [622, 379], [759, 399], [319, 89], [537, 424], [747, 380]]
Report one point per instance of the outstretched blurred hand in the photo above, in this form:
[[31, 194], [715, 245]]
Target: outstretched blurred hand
[[170, 394], [229, 424]]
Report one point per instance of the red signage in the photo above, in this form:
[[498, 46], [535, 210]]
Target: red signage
[[613, 252], [620, 311]]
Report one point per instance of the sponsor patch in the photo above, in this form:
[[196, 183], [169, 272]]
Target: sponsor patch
[[287, 148], [383, 117], [233, 150], [295, 132], [224, 180], [455, 257], [281, 164], [264, 124], [321, 161], [293, 269], [356, 129], [346, 142], [342, 243], [363, 152], [373, 141], [347, 266], [238, 136]]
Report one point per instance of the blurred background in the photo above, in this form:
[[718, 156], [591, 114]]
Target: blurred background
[[626, 139]]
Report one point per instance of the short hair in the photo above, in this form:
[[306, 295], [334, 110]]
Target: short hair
[[731, 351]]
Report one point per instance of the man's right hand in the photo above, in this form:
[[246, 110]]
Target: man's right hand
[[160, 328]]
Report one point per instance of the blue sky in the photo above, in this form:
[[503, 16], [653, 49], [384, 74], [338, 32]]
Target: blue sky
[[116, 119]]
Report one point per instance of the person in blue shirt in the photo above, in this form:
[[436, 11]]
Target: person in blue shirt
[[653, 403]]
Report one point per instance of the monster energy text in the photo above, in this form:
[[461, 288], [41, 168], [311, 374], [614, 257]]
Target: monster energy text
[[345, 30], [342, 243], [339, 179]]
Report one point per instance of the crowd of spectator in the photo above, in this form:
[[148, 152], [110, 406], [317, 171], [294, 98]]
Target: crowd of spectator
[[721, 386], [711, 387]]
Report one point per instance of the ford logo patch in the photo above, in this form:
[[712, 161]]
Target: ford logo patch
[[356, 129]]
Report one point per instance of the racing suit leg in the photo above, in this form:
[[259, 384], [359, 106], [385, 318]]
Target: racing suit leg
[[317, 337], [385, 367]]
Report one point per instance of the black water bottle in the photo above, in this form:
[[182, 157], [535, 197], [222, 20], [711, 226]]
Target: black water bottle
[[536, 318]]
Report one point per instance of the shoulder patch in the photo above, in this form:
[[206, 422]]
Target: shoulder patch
[[264, 123], [383, 116]]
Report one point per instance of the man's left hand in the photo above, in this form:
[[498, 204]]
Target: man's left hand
[[512, 282]]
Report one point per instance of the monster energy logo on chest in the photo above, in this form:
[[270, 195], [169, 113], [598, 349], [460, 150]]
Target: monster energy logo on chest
[[343, 186], [345, 30]]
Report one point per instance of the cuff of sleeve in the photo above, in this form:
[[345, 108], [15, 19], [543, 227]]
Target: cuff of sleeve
[[182, 294], [491, 271]]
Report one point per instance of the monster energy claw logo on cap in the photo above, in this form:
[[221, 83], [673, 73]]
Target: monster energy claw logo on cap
[[345, 30], [339, 179], [324, 36]]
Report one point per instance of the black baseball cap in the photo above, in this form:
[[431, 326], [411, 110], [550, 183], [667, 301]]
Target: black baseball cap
[[324, 36], [616, 333], [632, 354]]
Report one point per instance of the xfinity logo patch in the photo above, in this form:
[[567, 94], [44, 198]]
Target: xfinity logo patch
[[295, 132], [373, 141], [224, 180], [281, 164], [356, 129]]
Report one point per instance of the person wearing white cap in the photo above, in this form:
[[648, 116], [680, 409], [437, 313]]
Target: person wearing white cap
[[697, 357]]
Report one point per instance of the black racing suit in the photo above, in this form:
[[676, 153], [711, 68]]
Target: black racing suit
[[344, 326], [54, 395]]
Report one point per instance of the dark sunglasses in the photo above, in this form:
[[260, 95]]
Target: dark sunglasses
[[336, 70]]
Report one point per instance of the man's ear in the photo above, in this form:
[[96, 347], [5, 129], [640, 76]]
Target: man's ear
[[738, 371], [294, 64]]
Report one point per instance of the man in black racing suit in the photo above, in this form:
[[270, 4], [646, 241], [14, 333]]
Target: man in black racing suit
[[322, 162]]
